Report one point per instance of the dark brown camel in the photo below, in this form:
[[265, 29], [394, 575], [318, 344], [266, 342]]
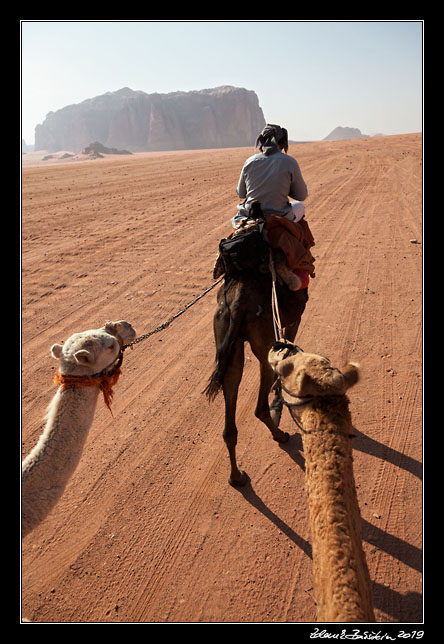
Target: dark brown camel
[[244, 314]]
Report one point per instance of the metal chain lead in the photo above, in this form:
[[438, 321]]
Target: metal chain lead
[[166, 324]]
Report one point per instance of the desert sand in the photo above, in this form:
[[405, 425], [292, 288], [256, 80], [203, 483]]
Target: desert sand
[[148, 529]]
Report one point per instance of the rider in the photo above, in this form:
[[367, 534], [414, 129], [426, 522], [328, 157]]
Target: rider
[[271, 177]]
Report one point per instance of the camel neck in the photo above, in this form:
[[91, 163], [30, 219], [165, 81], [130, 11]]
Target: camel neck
[[69, 417], [340, 569], [50, 464], [73, 408]]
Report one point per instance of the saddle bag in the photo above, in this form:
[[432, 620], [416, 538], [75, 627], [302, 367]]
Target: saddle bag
[[243, 251]]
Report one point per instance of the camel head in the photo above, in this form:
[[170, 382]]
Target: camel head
[[307, 374], [89, 352], [122, 330]]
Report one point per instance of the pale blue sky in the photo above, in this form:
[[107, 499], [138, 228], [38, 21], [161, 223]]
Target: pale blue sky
[[309, 76]]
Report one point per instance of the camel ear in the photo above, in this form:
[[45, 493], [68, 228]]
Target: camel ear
[[83, 357], [110, 327], [56, 350], [284, 368], [351, 374]]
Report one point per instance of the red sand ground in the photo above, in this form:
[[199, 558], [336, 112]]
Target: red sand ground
[[148, 529]]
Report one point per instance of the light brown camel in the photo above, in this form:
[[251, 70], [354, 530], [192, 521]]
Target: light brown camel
[[315, 391], [244, 314], [89, 362]]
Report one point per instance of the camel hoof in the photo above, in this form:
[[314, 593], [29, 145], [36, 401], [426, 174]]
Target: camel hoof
[[282, 437], [239, 482]]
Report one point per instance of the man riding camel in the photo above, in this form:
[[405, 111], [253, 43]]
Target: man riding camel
[[270, 177]]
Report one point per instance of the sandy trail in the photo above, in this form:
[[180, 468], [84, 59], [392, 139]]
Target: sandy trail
[[148, 529]]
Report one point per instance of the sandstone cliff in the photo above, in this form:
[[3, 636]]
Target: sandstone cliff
[[212, 118]]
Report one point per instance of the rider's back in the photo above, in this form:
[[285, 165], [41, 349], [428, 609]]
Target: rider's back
[[271, 179]]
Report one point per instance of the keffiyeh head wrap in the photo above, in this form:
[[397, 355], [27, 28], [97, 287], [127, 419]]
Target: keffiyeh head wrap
[[271, 138]]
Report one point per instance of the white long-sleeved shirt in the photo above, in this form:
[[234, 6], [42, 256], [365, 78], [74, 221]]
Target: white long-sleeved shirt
[[271, 180]]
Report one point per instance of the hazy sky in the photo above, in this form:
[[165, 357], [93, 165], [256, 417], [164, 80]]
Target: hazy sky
[[309, 76]]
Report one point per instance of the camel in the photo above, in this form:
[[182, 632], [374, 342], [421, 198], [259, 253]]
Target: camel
[[244, 314], [313, 386], [89, 361]]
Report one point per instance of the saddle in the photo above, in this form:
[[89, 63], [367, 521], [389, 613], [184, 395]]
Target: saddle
[[246, 249]]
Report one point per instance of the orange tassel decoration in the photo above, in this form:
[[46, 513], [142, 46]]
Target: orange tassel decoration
[[104, 382]]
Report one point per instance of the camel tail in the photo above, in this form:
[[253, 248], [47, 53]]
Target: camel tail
[[214, 386], [224, 356]]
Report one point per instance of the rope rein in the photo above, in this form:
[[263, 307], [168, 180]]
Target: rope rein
[[278, 330], [279, 335]]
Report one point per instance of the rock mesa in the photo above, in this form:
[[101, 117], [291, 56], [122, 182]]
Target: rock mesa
[[211, 118]]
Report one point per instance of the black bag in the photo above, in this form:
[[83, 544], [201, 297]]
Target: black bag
[[243, 251]]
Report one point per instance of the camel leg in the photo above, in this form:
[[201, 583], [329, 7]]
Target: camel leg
[[262, 408], [231, 383]]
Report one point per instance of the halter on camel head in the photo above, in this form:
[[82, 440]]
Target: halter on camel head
[[105, 380]]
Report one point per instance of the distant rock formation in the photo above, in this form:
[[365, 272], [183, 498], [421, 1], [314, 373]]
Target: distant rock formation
[[341, 133], [211, 118], [99, 149]]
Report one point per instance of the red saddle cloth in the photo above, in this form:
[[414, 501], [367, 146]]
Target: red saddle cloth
[[295, 240], [303, 276]]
